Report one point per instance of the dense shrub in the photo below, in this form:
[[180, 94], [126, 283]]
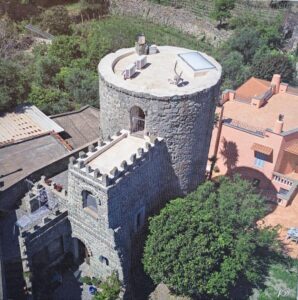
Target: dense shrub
[[203, 244], [14, 86], [273, 63], [56, 20]]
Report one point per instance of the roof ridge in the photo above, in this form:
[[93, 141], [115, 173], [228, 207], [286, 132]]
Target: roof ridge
[[72, 112], [262, 81]]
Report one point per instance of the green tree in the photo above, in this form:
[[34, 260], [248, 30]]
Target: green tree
[[50, 100], [273, 63], [56, 20], [13, 85], [65, 49], [246, 41], [81, 85], [234, 69], [109, 289], [46, 67], [222, 10], [202, 245]]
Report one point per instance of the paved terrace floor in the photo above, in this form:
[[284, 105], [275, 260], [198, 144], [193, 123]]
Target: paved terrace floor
[[114, 156], [287, 217]]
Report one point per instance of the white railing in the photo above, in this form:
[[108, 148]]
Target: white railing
[[280, 178]]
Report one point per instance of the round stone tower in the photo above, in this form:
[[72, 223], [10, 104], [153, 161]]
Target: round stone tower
[[171, 94]]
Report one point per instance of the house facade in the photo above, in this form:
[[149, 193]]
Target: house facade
[[257, 137]]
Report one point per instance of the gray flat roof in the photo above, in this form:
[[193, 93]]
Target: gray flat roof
[[81, 127], [18, 160]]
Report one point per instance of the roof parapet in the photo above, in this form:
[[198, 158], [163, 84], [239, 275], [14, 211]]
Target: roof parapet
[[81, 166]]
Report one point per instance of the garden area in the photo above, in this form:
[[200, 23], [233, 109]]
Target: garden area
[[208, 245]]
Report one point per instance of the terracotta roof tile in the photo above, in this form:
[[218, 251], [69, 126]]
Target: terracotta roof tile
[[262, 149], [252, 87]]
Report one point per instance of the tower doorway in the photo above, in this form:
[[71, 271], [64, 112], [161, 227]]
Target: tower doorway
[[137, 120], [80, 252]]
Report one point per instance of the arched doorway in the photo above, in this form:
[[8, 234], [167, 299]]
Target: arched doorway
[[81, 253], [137, 120]]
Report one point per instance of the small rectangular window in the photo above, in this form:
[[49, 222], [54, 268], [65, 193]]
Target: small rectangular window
[[90, 203], [259, 163]]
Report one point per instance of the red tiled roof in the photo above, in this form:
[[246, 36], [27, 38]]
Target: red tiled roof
[[252, 87]]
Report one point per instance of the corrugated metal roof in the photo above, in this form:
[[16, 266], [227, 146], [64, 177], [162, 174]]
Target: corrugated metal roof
[[26, 122], [262, 149]]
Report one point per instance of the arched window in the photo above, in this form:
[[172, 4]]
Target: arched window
[[137, 120], [104, 260]]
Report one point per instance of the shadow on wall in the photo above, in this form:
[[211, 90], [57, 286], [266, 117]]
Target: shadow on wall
[[159, 179], [13, 270], [229, 152]]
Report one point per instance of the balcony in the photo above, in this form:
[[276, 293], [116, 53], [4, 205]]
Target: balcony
[[289, 189]]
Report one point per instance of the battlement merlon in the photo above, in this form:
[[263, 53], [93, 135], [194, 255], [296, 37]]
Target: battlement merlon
[[109, 161]]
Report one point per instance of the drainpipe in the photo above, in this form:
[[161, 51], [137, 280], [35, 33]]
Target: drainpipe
[[218, 132]]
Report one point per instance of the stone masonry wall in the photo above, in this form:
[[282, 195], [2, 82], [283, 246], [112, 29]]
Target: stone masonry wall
[[143, 192], [143, 188], [95, 233], [43, 235], [185, 122]]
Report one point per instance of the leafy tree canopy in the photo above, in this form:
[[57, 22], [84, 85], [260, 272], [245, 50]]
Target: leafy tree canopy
[[264, 66], [81, 85], [222, 9], [109, 288], [246, 41], [56, 20], [234, 69], [203, 244], [50, 100], [46, 67], [13, 85], [65, 49]]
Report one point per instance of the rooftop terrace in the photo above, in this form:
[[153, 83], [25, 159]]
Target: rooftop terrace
[[119, 152], [107, 161], [155, 77], [266, 116]]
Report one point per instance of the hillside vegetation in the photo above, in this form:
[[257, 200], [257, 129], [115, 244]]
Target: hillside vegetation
[[63, 76]]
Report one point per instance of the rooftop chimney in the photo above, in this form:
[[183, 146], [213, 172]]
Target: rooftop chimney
[[279, 124], [276, 82]]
